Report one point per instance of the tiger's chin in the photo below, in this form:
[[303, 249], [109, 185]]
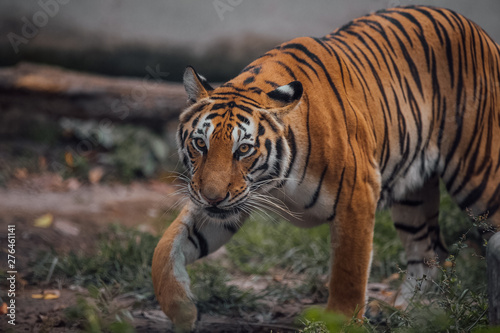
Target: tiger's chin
[[219, 215]]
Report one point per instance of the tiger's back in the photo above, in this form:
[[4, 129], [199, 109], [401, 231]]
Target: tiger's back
[[421, 82], [374, 113]]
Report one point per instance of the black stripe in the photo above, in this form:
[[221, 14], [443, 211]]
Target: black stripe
[[261, 130], [409, 228], [249, 80], [413, 68], [420, 238], [185, 161], [337, 198], [287, 69], [433, 21], [410, 202], [186, 117], [309, 144], [230, 228], [180, 131], [494, 202], [272, 84], [270, 121], [202, 241], [318, 189], [276, 168], [244, 108], [433, 216], [421, 37], [298, 59], [243, 119], [218, 106], [449, 55], [256, 90], [399, 26], [293, 151], [475, 194], [232, 93], [212, 116], [279, 150], [192, 241], [265, 166], [414, 262]]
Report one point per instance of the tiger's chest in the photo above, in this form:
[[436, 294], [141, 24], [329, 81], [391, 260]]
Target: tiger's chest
[[306, 202]]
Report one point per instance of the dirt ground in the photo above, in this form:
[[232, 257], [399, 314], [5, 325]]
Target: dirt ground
[[79, 213]]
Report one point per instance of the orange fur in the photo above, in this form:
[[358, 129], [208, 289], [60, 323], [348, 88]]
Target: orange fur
[[169, 292], [374, 113]]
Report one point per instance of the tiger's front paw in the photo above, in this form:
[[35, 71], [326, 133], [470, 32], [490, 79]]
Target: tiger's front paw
[[171, 280], [174, 295]]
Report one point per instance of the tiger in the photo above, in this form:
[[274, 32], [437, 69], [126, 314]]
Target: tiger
[[374, 114]]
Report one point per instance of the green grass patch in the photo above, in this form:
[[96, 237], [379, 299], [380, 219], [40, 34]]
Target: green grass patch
[[99, 312], [214, 295], [123, 258], [387, 248], [261, 245]]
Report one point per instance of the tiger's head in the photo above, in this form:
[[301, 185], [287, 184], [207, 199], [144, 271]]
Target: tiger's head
[[233, 143]]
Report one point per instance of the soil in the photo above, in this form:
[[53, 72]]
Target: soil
[[79, 212]]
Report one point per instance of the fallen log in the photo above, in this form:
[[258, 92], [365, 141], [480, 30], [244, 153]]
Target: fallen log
[[31, 88]]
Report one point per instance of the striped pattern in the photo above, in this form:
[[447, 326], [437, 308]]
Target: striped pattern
[[375, 113]]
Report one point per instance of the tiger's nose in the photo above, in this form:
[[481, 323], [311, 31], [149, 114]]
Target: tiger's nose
[[213, 200]]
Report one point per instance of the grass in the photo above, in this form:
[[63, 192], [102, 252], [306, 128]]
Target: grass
[[122, 264], [99, 313], [262, 245], [123, 258], [214, 295]]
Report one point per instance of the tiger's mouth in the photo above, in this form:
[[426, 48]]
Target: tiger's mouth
[[220, 213]]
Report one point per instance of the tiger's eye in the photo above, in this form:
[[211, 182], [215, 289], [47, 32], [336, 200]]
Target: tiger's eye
[[244, 148], [200, 143]]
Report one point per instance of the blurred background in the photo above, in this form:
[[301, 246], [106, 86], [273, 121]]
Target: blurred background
[[122, 37], [90, 93], [152, 42]]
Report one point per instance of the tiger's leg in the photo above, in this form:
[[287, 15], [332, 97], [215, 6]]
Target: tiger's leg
[[416, 220], [352, 238], [186, 240]]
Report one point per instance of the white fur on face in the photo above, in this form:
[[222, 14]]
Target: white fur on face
[[238, 135]]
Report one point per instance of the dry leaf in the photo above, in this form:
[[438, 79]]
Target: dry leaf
[[3, 309], [95, 175], [51, 296], [72, 184], [66, 228], [21, 173], [47, 294], [386, 293], [44, 221], [42, 163], [68, 157], [278, 277]]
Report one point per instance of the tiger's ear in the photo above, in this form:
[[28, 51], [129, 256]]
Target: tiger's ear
[[285, 98], [197, 87]]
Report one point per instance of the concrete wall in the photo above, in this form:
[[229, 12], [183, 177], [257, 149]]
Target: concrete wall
[[197, 23]]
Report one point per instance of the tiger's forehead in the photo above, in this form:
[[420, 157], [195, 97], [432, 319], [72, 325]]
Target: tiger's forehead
[[226, 124]]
